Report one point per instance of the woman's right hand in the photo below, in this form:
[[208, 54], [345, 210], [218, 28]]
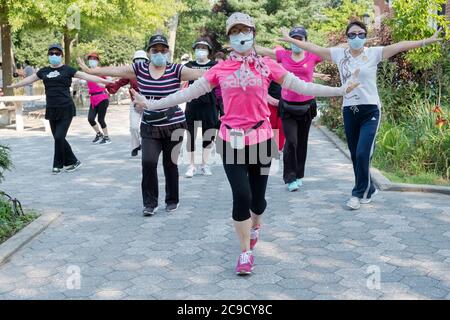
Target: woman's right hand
[[83, 65], [140, 102]]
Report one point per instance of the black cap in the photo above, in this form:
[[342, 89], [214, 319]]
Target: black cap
[[298, 32], [55, 46], [157, 39]]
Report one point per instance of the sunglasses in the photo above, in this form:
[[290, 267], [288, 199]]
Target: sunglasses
[[353, 35], [56, 53], [244, 30]]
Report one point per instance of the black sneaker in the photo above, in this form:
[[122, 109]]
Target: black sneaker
[[98, 137], [105, 140], [149, 211], [56, 170], [74, 167], [171, 207]]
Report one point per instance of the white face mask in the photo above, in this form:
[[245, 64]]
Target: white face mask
[[201, 54]]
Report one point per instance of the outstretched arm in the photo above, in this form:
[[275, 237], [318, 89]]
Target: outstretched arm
[[92, 78], [291, 82], [266, 52], [118, 72], [395, 48], [195, 90], [24, 82], [188, 74], [324, 53]]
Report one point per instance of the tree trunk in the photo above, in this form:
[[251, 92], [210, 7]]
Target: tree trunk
[[173, 25], [67, 47], [7, 59]]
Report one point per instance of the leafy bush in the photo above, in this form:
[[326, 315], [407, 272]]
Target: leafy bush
[[5, 161], [9, 222]]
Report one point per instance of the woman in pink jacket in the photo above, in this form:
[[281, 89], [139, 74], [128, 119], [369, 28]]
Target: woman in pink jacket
[[245, 139], [99, 104]]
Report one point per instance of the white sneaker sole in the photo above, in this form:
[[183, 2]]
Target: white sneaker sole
[[352, 207]]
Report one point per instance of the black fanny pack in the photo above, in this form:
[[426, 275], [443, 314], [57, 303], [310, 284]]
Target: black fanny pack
[[156, 116], [296, 110], [97, 93]]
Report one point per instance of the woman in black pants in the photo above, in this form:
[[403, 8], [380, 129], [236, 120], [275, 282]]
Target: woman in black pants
[[156, 80], [60, 107]]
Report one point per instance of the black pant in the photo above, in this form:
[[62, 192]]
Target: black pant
[[63, 152], [100, 111], [247, 178], [295, 148], [208, 135], [361, 124], [151, 149]]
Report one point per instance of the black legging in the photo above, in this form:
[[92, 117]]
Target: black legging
[[208, 135], [63, 152], [99, 110], [295, 149], [248, 175]]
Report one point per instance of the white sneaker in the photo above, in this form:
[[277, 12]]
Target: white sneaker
[[353, 203], [206, 171], [368, 200], [190, 172]]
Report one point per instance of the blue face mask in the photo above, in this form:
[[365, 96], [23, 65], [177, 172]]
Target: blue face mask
[[54, 59], [356, 43], [93, 63], [235, 42], [296, 49], [158, 59]]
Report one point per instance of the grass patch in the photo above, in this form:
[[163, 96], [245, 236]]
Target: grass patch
[[422, 178], [10, 223]]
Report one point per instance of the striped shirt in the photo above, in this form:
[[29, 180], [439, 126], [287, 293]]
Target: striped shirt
[[159, 88]]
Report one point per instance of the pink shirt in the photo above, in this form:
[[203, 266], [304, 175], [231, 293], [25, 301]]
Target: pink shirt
[[302, 69], [245, 108], [97, 98]]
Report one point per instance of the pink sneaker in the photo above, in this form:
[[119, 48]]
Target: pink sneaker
[[254, 235], [245, 263]]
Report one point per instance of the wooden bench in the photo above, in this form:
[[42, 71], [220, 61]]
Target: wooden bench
[[18, 100]]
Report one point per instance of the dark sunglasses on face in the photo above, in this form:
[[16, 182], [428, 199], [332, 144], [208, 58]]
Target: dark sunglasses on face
[[353, 35], [56, 53]]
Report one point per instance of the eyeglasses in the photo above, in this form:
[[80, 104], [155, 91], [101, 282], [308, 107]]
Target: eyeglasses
[[56, 53], [244, 30], [353, 35], [155, 51]]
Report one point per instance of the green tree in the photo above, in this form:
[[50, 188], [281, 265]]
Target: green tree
[[415, 20]]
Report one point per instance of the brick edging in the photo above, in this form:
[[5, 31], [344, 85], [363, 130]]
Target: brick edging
[[20, 239]]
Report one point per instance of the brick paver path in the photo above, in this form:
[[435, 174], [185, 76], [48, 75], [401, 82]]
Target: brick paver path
[[311, 247]]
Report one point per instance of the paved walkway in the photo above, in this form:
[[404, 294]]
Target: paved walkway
[[311, 247]]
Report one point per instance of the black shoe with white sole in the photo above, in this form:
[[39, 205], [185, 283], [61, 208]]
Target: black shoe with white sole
[[98, 138], [171, 207], [149, 211], [73, 167]]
